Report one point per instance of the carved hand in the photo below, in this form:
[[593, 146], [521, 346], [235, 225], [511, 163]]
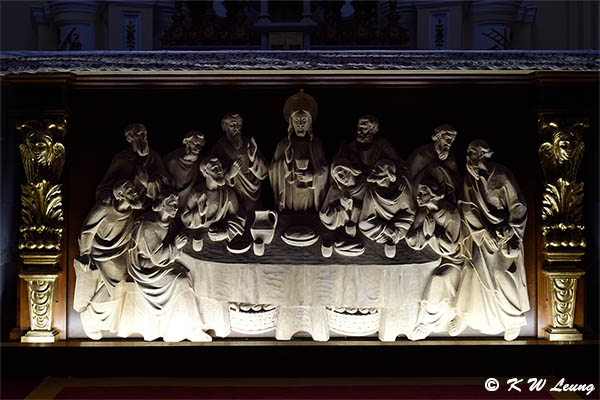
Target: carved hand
[[491, 242], [235, 167], [346, 203], [390, 233], [428, 225], [401, 186], [304, 176], [252, 149], [180, 240], [504, 233]]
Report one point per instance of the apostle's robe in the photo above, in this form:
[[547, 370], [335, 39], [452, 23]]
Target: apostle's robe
[[334, 214], [492, 295], [435, 309], [364, 156], [182, 173], [105, 239], [387, 210], [424, 162], [247, 182], [444, 239], [223, 208], [125, 165], [290, 193], [165, 285]]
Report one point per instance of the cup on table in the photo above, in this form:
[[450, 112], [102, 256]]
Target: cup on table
[[350, 228], [390, 250], [259, 247], [326, 249], [197, 243], [301, 164]]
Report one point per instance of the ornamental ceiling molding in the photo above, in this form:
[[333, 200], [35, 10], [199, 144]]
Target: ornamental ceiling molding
[[16, 62]]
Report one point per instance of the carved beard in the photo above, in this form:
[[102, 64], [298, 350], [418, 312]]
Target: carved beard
[[364, 138], [473, 170], [219, 179], [442, 150], [141, 147], [236, 140], [191, 153], [190, 156]]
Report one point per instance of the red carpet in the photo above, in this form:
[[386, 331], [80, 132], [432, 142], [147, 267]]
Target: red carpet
[[304, 388]]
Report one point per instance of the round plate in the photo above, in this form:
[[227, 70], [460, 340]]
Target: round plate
[[300, 236], [239, 246]]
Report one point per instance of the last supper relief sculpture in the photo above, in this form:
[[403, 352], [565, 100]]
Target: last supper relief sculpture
[[365, 243]]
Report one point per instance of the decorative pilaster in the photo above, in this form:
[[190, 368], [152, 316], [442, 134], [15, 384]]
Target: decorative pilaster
[[40, 296], [562, 212], [563, 290], [43, 158]]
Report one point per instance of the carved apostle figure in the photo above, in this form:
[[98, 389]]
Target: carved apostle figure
[[245, 167], [140, 164], [102, 261], [435, 160], [388, 210], [165, 284], [492, 295], [182, 164], [367, 149], [299, 169], [343, 203], [213, 205], [437, 225]]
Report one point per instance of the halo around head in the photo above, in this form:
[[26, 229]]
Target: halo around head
[[300, 101]]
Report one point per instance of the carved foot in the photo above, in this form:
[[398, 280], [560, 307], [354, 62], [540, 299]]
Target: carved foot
[[512, 334], [93, 334], [420, 332], [200, 336], [457, 326]]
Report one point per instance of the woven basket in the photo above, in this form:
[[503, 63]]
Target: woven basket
[[353, 324], [252, 319]]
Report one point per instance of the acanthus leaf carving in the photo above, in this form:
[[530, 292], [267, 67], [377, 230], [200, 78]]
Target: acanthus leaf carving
[[42, 216], [563, 202]]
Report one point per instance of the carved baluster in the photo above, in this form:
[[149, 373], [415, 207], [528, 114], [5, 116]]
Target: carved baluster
[[43, 158], [562, 211]]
